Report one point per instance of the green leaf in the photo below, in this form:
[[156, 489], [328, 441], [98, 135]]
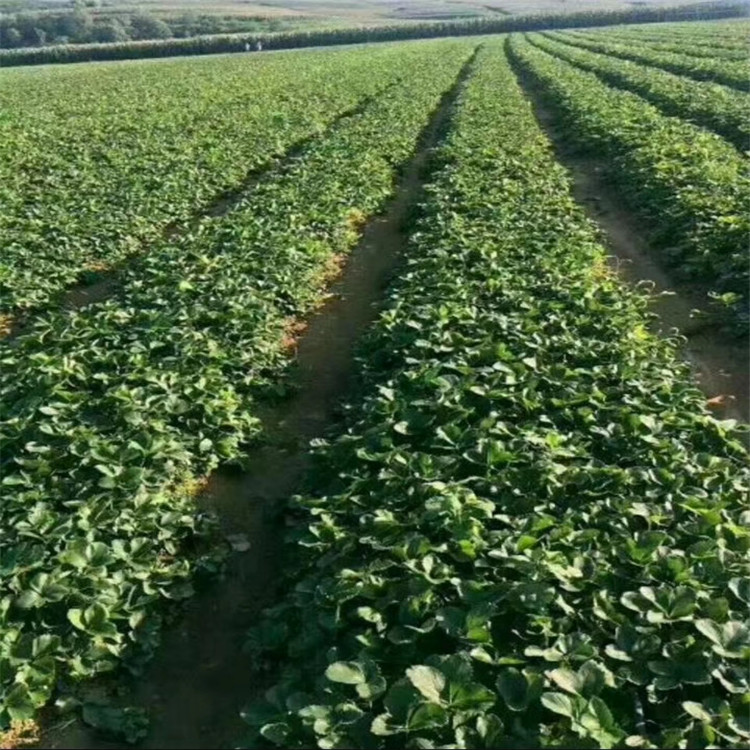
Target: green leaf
[[19, 704], [566, 679], [276, 732], [382, 727], [75, 616], [471, 696], [599, 723], [740, 587], [696, 710], [402, 698], [598, 708], [427, 716], [490, 728], [513, 687], [371, 689], [525, 541], [559, 703], [75, 555], [428, 681], [28, 600], [731, 639], [346, 672], [615, 653]]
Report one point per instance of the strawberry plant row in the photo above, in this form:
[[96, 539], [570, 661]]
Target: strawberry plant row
[[684, 46], [726, 37], [95, 161], [112, 414], [531, 534], [733, 73], [724, 110], [691, 186]]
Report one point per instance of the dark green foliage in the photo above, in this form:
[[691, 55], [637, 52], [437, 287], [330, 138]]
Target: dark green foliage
[[112, 414], [127, 152], [532, 533], [691, 186], [732, 72], [724, 110]]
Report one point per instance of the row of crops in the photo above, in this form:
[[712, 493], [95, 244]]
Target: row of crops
[[112, 413], [664, 43], [730, 72], [703, 40], [531, 533], [721, 109], [99, 174], [95, 163], [689, 184]]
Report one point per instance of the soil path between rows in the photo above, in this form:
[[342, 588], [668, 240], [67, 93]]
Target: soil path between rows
[[720, 363], [200, 679]]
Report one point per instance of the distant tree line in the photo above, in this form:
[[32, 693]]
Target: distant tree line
[[81, 25], [205, 45]]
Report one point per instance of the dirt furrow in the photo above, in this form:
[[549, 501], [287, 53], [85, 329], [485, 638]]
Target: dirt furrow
[[199, 680], [721, 364]]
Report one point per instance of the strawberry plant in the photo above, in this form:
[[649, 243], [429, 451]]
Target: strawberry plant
[[690, 186], [735, 73], [96, 161], [719, 37], [721, 109], [690, 45], [531, 533], [111, 414]]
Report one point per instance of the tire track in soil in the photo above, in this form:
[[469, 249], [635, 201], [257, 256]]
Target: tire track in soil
[[199, 679], [720, 363]]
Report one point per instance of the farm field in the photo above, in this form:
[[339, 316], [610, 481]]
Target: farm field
[[332, 418], [151, 146], [717, 68]]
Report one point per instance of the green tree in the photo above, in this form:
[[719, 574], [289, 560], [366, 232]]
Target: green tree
[[77, 26], [145, 26], [187, 23], [39, 36], [110, 31], [12, 37]]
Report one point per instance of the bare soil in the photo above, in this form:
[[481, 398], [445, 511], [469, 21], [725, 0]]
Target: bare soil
[[721, 364]]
